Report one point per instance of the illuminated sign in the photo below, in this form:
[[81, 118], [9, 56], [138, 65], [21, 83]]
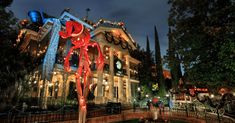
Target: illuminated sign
[[193, 91]]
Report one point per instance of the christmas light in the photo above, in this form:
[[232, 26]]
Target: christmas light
[[105, 82], [50, 84], [49, 59]]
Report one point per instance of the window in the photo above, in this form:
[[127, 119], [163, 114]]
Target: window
[[115, 91], [134, 87]]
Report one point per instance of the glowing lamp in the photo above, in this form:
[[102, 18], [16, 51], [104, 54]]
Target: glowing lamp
[[212, 95]]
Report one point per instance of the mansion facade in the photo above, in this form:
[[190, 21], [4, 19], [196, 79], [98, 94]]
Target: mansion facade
[[117, 82]]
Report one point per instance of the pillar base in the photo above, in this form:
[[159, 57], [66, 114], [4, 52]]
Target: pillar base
[[99, 100]]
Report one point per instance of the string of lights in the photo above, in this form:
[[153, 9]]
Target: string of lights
[[49, 59]]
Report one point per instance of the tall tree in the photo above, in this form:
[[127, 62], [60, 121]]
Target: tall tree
[[159, 70], [173, 61], [203, 31], [5, 3], [148, 64], [139, 54], [144, 68], [15, 65], [7, 22]]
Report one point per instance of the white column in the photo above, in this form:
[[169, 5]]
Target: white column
[[111, 71], [99, 83], [64, 87], [45, 94], [128, 84], [120, 82]]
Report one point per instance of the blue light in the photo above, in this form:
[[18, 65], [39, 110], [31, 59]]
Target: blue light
[[68, 16], [49, 60], [47, 19], [35, 16]]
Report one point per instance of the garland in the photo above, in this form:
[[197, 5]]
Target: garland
[[108, 37]]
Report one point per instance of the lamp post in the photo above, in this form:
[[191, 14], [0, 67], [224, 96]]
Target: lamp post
[[147, 95], [139, 93], [212, 95]]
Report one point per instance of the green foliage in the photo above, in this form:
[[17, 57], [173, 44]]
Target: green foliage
[[5, 3], [173, 62], [203, 36], [7, 26], [145, 90], [144, 68], [15, 65], [159, 70]]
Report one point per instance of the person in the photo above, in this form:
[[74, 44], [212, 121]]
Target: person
[[160, 107], [24, 106], [141, 120], [148, 104], [154, 112]]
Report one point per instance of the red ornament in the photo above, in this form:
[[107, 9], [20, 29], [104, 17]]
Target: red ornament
[[80, 37]]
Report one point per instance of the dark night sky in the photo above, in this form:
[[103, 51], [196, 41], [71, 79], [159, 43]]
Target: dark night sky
[[139, 16]]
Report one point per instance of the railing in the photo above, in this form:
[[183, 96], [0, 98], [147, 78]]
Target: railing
[[61, 115], [46, 117], [16, 116], [34, 117], [203, 114]]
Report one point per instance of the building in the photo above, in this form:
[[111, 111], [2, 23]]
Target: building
[[117, 82]]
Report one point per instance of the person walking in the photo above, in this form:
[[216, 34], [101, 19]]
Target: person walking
[[154, 112]]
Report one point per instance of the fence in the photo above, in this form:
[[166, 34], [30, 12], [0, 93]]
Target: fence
[[16, 116], [45, 117], [203, 114]]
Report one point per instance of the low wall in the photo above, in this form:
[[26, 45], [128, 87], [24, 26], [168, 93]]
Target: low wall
[[128, 115], [120, 117], [125, 115]]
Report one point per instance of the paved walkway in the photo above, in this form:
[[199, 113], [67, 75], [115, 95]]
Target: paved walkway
[[181, 115], [138, 114]]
